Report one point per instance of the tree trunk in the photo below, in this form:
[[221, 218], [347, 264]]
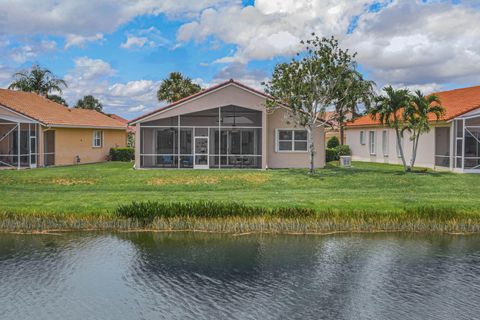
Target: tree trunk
[[311, 149], [400, 148], [415, 148], [342, 134]]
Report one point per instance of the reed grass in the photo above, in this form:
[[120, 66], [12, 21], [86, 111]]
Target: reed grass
[[238, 218]]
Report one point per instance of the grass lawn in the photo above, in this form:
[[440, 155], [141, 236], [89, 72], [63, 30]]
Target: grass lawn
[[100, 188]]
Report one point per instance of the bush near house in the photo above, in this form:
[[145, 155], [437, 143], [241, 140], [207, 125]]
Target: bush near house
[[333, 142], [121, 154], [343, 150], [333, 154]]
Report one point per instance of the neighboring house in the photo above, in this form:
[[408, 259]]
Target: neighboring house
[[130, 129], [225, 126], [333, 127], [453, 142], [36, 132]]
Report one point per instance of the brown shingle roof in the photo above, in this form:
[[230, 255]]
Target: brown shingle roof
[[53, 114], [456, 102]]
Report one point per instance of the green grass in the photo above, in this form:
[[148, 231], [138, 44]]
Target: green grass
[[100, 188], [365, 197]]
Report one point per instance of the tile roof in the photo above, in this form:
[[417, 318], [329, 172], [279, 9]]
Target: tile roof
[[456, 103], [201, 93], [53, 114], [122, 120]]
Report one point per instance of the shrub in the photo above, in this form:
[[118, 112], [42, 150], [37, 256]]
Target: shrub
[[343, 150], [331, 154], [148, 211], [121, 154], [333, 142]]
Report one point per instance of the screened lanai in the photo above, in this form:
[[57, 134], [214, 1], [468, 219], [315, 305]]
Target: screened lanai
[[18, 144], [224, 137], [467, 143]]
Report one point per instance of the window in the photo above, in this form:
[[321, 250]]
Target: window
[[362, 137], [371, 142], [385, 143], [97, 138], [398, 148], [292, 140]]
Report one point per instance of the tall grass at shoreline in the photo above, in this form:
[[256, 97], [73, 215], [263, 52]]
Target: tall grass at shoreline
[[232, 217]]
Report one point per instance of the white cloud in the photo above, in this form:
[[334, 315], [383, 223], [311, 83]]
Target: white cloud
[[79, 40], [239, 72], [150, 37], [139, 108], [271, 28], [6, 75], [96, 77], [402, 41], [414, 43], [30, 51], [133, 41], [82, 21]]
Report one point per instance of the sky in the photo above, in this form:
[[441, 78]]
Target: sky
[[120, 50]]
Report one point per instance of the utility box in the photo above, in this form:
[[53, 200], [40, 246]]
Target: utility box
[[345, 161]]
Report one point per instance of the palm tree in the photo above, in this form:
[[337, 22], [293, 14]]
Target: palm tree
[[89, 102], [176, 87], [58, 99], [354, 90], [417, 116], [389, 111], [39, 80]]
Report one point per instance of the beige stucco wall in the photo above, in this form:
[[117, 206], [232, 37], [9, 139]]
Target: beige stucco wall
[[425, 153], [280, 120], [70, 142], [235, 95]]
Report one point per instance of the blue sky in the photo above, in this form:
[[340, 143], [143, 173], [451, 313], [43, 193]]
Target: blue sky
[[120, 50]]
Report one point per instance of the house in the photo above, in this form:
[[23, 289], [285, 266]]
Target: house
[[453, 143], [225, 126], [37, 132], [333, 127]]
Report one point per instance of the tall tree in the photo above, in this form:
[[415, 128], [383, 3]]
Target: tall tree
[[39, 80], [309, 84], [354, 91], [389, 110], [89, 102], [176, 87], [58, 99], [417, 118]]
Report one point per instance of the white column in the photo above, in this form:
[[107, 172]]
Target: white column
[[18, 145], [463, 145], [138, 145]]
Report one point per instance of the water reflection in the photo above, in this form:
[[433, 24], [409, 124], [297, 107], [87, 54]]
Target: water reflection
[[210, 276]]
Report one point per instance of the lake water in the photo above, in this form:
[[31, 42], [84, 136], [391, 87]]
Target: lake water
[[203, 276]]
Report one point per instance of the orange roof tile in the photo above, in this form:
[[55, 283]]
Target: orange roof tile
[[456, 102], [53, 114]]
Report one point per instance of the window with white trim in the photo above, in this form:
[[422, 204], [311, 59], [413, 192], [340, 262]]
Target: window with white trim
[[292, 140], [97, 138], [371, 142], [398, 148], [385, 143], [362, 137]]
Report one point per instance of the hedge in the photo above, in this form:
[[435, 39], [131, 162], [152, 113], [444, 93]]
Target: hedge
[[122, 154], [332, 154]]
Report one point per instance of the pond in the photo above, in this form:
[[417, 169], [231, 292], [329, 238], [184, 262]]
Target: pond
[[211, 276]]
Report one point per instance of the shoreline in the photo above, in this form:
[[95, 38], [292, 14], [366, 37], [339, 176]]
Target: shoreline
[[236, 226]]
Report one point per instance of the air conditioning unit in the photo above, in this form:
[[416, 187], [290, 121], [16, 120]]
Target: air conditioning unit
[[345, 161]]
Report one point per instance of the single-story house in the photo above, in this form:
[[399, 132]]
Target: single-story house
[[453, 143], [225, 126], [37, 132]]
